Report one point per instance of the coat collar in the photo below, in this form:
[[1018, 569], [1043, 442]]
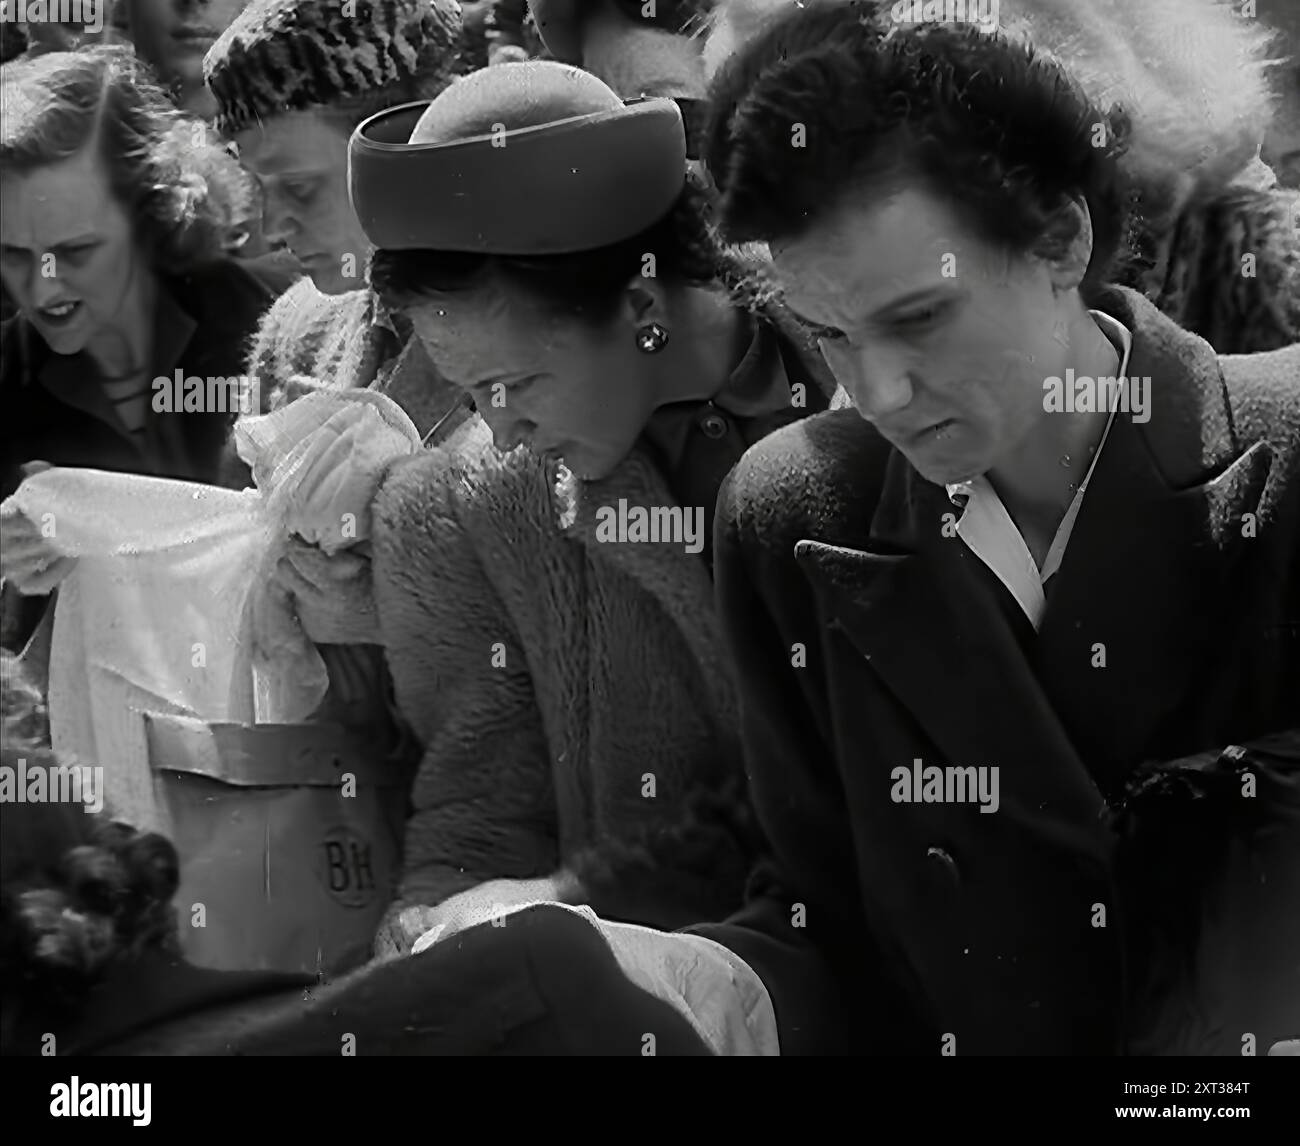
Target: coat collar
[[1155, 542]]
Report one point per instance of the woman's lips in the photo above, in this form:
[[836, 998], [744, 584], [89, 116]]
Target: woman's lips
[[60, 314], [195, 38], [934, 430]]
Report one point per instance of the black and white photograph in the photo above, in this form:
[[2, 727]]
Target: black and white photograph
[[651, 528]]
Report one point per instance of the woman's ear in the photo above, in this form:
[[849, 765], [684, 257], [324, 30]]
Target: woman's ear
[[645, 301], [1070, 236]]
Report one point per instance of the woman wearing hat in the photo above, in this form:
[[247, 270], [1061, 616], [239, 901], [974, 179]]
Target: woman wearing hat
[[291, 79], [546, 602]]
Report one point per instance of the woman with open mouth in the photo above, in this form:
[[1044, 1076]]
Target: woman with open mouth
[[112, 227]]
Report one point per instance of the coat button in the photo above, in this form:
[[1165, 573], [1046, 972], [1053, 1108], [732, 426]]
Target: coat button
[[714, 426], [942, 862]]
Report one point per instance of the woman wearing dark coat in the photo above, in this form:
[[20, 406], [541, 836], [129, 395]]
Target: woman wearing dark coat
[[111, 243], [971, 614]]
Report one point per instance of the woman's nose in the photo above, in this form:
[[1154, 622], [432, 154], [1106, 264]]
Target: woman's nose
[[508, 428], [278, 223], [876, 379], [43, 288]]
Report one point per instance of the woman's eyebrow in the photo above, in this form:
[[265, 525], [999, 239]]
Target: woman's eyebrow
[[818, 329], [931, 293]]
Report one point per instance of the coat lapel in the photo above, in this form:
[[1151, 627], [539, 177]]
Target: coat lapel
[[924, 619], [1148, 572]]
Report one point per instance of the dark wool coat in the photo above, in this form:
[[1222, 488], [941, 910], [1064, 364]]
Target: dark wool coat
[[866, 639], [545, 984]]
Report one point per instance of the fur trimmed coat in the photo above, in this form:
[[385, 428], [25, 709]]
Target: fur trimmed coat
[[568, 694], [573, 697]]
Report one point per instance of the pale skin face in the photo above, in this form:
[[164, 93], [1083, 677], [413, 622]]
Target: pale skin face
[[300, 158], [641, 61], [69, 260], [174, 35], [568, 389], [559, 387], [944, 341]]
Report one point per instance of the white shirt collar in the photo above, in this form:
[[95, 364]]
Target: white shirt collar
[[987, 529]]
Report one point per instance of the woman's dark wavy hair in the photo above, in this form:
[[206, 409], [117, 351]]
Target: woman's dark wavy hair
[[176, 185], [78, 892], [993, 127], [588, 285]]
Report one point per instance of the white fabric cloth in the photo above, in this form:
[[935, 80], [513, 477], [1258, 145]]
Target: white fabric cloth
[[711, 987], [989, 531], [157, 614]]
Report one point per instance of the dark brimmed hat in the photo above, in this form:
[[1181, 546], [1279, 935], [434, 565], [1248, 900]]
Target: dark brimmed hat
[[536, 158], [286, 55]]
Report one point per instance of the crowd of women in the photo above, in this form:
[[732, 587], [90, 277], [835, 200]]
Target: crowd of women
[[801, 273]]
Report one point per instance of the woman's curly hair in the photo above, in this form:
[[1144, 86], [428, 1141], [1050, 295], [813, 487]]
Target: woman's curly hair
[[162, 166], [1192, 75], [78, 892], [836, 96]]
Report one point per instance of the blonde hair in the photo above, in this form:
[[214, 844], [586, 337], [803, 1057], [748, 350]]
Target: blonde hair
[[1192, 74]]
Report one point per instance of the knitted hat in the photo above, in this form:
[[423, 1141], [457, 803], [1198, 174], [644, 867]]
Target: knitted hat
[[282, 55], [537, 158]]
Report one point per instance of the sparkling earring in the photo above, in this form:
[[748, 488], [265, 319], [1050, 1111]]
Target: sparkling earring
[[651, 338]]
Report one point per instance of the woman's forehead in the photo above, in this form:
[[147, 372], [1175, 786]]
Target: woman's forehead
[[868, 248], [58, 202]]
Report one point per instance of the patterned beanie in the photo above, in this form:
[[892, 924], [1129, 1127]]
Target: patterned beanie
[[283, 55]]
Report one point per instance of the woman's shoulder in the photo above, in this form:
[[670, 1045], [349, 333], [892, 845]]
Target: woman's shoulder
[[303, 310], [789, 467], [464, 477], [821, 477], [298, 327]]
